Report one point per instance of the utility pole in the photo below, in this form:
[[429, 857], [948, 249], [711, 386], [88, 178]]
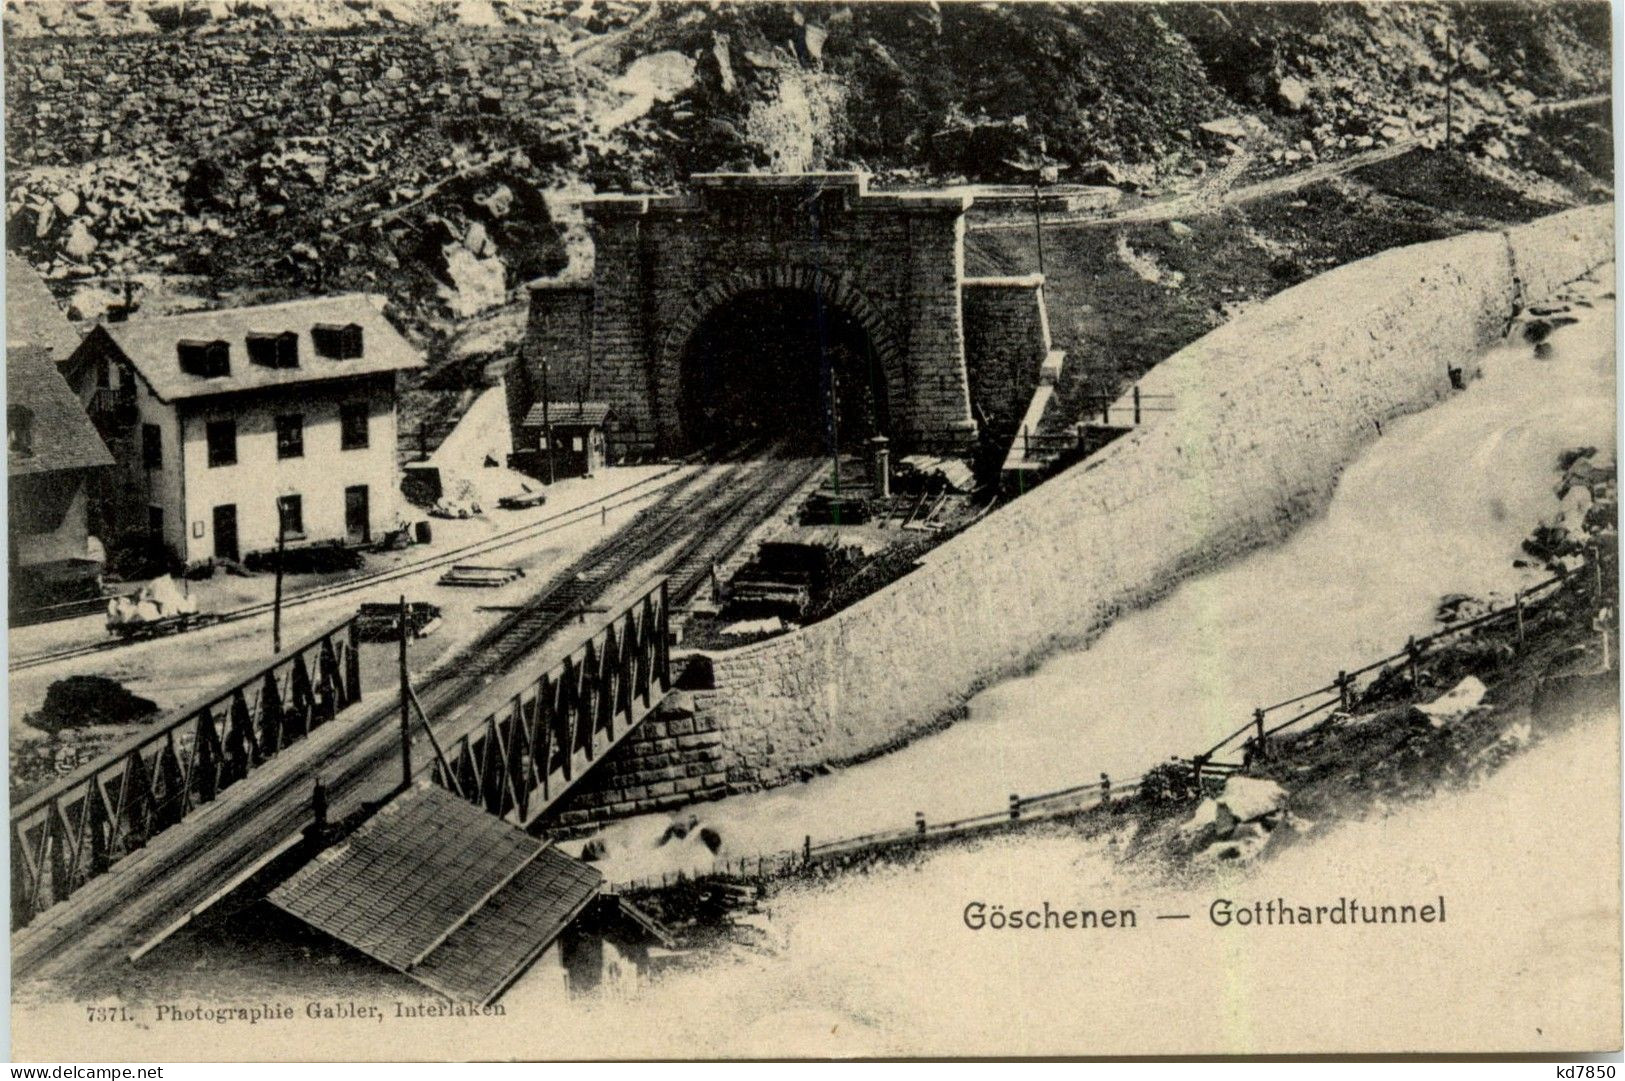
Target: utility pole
[[547, 424], [276, 606], [406, 706], [1038, 225]]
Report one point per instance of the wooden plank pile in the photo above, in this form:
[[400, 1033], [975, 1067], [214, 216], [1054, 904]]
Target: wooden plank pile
[[470, 574]]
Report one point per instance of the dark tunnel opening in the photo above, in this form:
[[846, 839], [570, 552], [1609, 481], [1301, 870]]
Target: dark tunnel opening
[[782, 364]]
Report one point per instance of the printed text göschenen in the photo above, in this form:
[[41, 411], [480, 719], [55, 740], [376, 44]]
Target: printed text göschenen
[[1222, 912]]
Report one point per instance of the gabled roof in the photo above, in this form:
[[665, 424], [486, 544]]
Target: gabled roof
[[150, 345], [63, 437], [569, 414], [436, 888], [32, 315]]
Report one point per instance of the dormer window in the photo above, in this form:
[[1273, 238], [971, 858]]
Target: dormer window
[[274, 350], [208, 359], [20, 430], [337, 342]]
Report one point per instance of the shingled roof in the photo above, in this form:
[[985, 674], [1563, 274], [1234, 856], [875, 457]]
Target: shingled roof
[[32, 315], [62, 437], [569, 415], [436, 888], [151, 345]]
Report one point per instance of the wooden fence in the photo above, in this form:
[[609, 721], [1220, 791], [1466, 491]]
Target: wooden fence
[[1251, 740]]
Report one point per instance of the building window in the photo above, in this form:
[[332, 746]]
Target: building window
[[20, 430], [575, 443], [152, 446], [274, 350], [290, 436], [222, 437], [353, 425], [290, 511], [335, 341], [207, 359]]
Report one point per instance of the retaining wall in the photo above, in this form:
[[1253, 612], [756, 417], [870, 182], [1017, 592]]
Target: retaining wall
[[1271, 408], [1006, 341]]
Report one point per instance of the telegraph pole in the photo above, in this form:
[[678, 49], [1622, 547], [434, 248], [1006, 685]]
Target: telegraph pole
[[406, 706], [547, 423], [1038, 225], [276, 606]]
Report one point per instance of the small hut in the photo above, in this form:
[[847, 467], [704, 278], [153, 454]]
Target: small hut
[[563, 439]]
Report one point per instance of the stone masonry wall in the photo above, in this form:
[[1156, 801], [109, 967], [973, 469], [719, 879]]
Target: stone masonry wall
[[558, 332], [1006, 341], [895, 266], [674, 758], [1272, 406]]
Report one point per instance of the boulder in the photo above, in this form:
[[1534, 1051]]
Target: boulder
[[812, 41], [67, 202], [1472, 56], [1100, 172], [1225, 127], [678, 830], [1249, 798], [1456, 703], [1292, 94], [724, 62], [80, 244], [1211, 819]]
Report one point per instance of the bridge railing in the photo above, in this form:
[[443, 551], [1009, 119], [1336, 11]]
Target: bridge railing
[[529, 738], [74, 830]]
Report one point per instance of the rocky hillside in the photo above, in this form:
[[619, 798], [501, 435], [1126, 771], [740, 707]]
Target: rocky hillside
[[177, 154]]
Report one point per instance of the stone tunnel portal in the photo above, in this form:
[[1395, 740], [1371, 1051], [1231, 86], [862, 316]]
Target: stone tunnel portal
[[784, 363]]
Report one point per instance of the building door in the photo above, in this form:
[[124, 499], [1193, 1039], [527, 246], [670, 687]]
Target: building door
[[357, 519], [225, 533]]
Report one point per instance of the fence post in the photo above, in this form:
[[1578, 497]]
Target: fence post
[[1015, 807], [919, 823], [1105, 789], [1343, 682], [1136, 405], [1258, 731], [1026, 442], [1517, 606], [1105, 409], [1413, 654], [1196, 769], [806, 850], [1596, 568]]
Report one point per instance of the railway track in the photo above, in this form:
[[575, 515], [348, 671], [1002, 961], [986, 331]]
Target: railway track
[[186, 869], [692, 524], [631, 493]]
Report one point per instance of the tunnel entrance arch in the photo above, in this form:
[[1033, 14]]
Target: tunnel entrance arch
[[885, 269], [808, 362]]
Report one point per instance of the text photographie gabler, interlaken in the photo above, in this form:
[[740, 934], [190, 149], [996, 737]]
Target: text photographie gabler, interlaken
[[1222, 912]]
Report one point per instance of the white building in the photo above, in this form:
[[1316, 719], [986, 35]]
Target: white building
[[229, 425]]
